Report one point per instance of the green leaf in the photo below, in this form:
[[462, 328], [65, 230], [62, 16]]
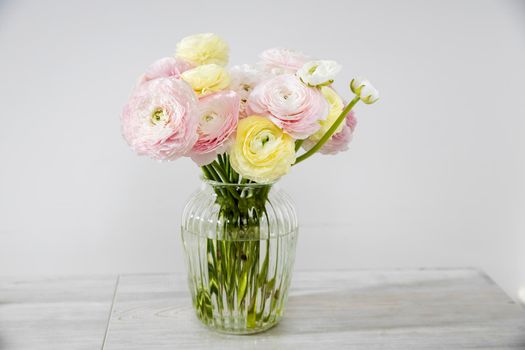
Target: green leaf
[[243, 283]]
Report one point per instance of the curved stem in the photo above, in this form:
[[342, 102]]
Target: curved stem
[[298, 144], [328, 133]]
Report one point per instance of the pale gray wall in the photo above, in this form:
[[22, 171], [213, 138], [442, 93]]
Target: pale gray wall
[[435, 175]]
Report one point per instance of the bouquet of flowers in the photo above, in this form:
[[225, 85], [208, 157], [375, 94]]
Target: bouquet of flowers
[[248, 124]]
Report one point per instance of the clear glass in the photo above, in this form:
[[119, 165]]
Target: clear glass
[[240, 244]]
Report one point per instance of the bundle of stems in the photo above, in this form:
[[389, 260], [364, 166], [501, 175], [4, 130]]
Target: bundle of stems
[[238, 257]]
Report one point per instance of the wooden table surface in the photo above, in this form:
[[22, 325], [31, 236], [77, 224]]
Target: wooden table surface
[[397, 309]]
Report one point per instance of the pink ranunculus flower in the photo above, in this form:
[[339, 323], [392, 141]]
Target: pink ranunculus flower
[[219, 114], [161, 118], [164, 68], [280, 60], [244, 79], [339, 141], [290, 104]]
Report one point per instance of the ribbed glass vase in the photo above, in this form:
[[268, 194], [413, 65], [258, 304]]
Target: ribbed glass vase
[[240, 244]]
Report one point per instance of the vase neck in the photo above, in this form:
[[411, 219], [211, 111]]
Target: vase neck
[[242, 185]]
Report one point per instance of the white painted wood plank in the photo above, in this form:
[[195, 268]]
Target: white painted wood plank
[[400, 309], [55, 313]]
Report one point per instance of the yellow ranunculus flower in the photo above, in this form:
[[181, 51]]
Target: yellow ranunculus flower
[[336, 107], [207, 78], [203, 48], [261, 152]]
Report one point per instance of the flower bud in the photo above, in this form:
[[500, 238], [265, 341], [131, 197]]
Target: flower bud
[[319, 73], [364, 89]]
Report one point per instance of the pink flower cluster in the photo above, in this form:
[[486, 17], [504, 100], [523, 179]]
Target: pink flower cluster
[[290, 104], [160, 119], [166, 117]]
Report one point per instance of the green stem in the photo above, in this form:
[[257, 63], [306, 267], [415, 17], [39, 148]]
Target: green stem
[[298, 144], [206, 172], [220, 161], [328, 133], [220, 171], [222, 175], [210, 173]]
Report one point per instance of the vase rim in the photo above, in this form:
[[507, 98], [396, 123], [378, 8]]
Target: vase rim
[[214, 183]]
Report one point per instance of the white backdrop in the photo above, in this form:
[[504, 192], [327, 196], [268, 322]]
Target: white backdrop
[[434, 177]]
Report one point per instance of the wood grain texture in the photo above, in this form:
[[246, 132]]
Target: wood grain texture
[[400, 309], [55, 313]]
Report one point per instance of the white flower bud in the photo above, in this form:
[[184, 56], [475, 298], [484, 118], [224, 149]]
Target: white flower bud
[[319, 73], [364, 89]]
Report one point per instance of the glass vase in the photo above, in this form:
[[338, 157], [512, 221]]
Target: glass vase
[[239, 241]]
